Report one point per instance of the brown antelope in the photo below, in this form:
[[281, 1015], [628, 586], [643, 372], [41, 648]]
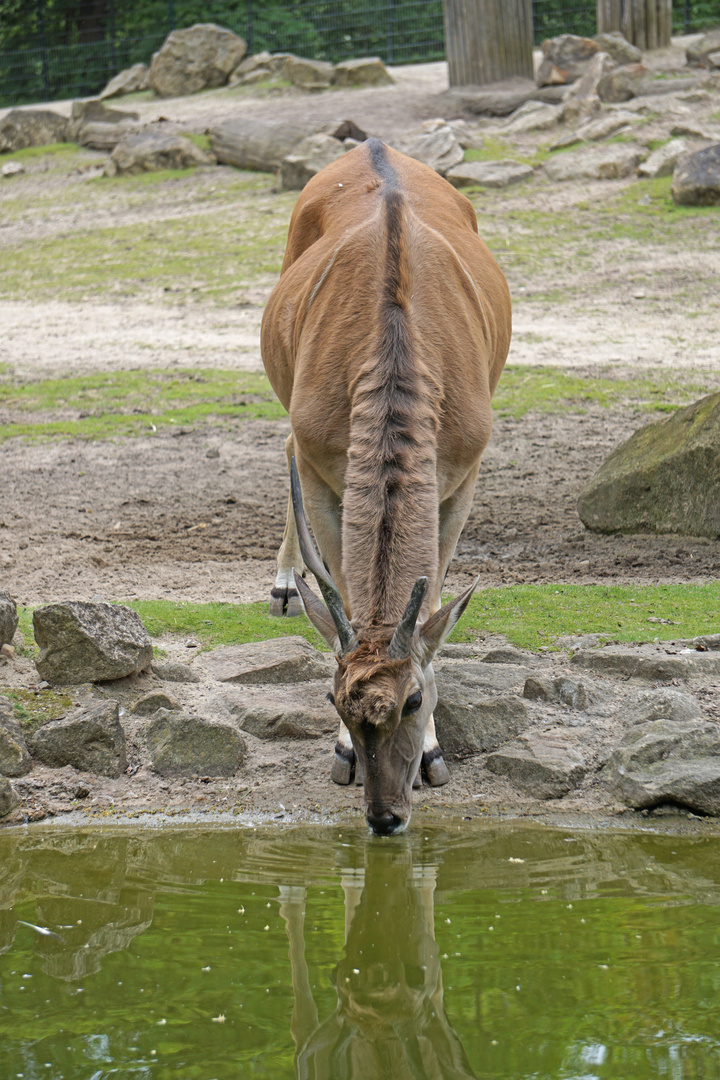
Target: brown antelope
[[384, 339]]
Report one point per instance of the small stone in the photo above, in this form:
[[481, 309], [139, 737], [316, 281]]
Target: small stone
[[492, 174], [8, 618], [641, 663], [8, 652], [661, 704], [13, 168], [663, 160], [150, 703], [177, 673], [533, 116]]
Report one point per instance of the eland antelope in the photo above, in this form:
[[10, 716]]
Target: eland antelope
[[384, 339]]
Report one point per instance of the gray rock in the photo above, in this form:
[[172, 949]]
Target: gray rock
[[12, 168], [193, 59], [15, 759], [666, 477], [437, 148], [366, 71], [576, 695], [8, 618], [92, 123], [88, 642], [149, 151], [693, 129], [492, 174], [585, 88], [262, 65], [470, 99], [663, 160], [565, 59], [533, 116], [467, 723], [616, 45], [150, 703], [129, 81], [481, 675], [507, 655], [283, 711], [706, 641], [640, 663], [696, 182], [668, 761], [623, 83], [283, 660], [604, 126], [8, 798], [699, 52], [595, 163], [176, 673], [251, 143], [661, 704], [544, 764], [184, 745], [307, 160], [21, 128], [309, 74], [89, 739]]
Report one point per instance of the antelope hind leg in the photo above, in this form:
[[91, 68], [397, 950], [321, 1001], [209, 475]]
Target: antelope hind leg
[[284, 599]]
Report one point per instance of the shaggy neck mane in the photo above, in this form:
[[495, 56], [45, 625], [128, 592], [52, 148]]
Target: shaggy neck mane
[[390, 504]]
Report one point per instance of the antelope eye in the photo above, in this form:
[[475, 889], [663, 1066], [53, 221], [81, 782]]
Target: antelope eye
[[413, 703]]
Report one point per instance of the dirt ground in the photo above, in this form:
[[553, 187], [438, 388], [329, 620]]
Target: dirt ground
[[197, 514]]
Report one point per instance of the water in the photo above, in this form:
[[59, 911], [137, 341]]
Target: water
[[506, 951]]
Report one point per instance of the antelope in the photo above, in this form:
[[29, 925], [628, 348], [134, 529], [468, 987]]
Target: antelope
[[384, 339]]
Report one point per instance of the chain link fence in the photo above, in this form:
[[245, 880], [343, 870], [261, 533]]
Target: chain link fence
[[54, 49]]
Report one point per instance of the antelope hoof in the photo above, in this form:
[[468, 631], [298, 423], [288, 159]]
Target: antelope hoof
[[434, 768], [285, 602], [343, 766]]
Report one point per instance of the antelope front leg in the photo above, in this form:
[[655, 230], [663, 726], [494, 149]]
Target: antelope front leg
[[284, 599], [432, 762]]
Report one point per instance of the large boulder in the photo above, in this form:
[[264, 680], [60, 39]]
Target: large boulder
[[308, 159], [664, 479], [543, 764], [367, 71], [492, 174], [696, 179], [183, 745], [21, 128], [251, 143], [262, 65], [662, 161], [199, 57], [611, 162], [701, 51], [309, 74], [281, 712], [128, 81], [149, 151], [8, 618], [89, 642], [282, 660], [616, 45], [533, 116], [90, 739], [468, 722], [565, 59], [92, 123], [623, 83]]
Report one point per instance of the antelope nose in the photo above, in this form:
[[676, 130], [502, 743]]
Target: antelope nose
[[384, 824]]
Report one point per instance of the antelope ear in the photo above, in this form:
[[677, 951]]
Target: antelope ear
[[439, 626], [317, 613]]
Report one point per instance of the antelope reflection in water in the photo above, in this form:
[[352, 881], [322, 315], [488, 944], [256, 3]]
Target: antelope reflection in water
[[389, 1022]]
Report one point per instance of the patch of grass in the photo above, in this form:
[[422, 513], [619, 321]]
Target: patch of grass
[[55, 150], [534, 615], [201, 141], [33, 708], [132, 402], [495, 148]]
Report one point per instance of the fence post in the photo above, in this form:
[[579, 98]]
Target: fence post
[[645, 23], [488, 40], [43, 50], [391, 32]]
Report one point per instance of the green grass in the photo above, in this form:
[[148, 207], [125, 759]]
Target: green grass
[[33, 708]]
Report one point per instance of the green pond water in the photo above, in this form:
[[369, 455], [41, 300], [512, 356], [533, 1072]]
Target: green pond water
[[457, 950]]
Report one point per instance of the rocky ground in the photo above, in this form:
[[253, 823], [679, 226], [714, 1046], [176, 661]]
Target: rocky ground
[[198, 514]]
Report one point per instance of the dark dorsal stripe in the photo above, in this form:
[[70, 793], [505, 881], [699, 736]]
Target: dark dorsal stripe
[[380, 163]]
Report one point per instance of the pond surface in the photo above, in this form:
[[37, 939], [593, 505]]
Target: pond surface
[[504, 951]]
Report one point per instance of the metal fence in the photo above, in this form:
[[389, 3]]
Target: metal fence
[[51, 49]]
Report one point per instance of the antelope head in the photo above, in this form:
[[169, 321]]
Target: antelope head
[[384, 687]]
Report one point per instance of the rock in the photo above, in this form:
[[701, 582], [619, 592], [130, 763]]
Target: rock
[[150, 703], [623, 83], [664, 479], [262, 65], [88, 642], [618, 47], [493, 174], [12, 168], [692, 128], [663, 160], [8, 618], [713, 60], [178, 673], [307, 159], [8, 798], [699, 52], [367, 71], [469, 99], [565, 59], [309, 74], [467, 723], [577, 110], [15, 759], [605, 126], [595, 163], [570, 692], [541, 763], [696, 182], [249, 143], [21, 128], [507, 655], [193, 59], [640, 663], [89, 739], [280, 712], [149, 151], [184, 745], [585, 88], [480, 675], [439, 148], [128, 81], [95, 125], [668, 761], [283, 660], [533, 116], [661, 704]]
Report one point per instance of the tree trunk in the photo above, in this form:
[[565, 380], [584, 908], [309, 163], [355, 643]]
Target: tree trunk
[[645, 23], [487, 41]]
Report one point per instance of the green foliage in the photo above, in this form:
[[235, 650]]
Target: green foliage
[[33, 708]]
